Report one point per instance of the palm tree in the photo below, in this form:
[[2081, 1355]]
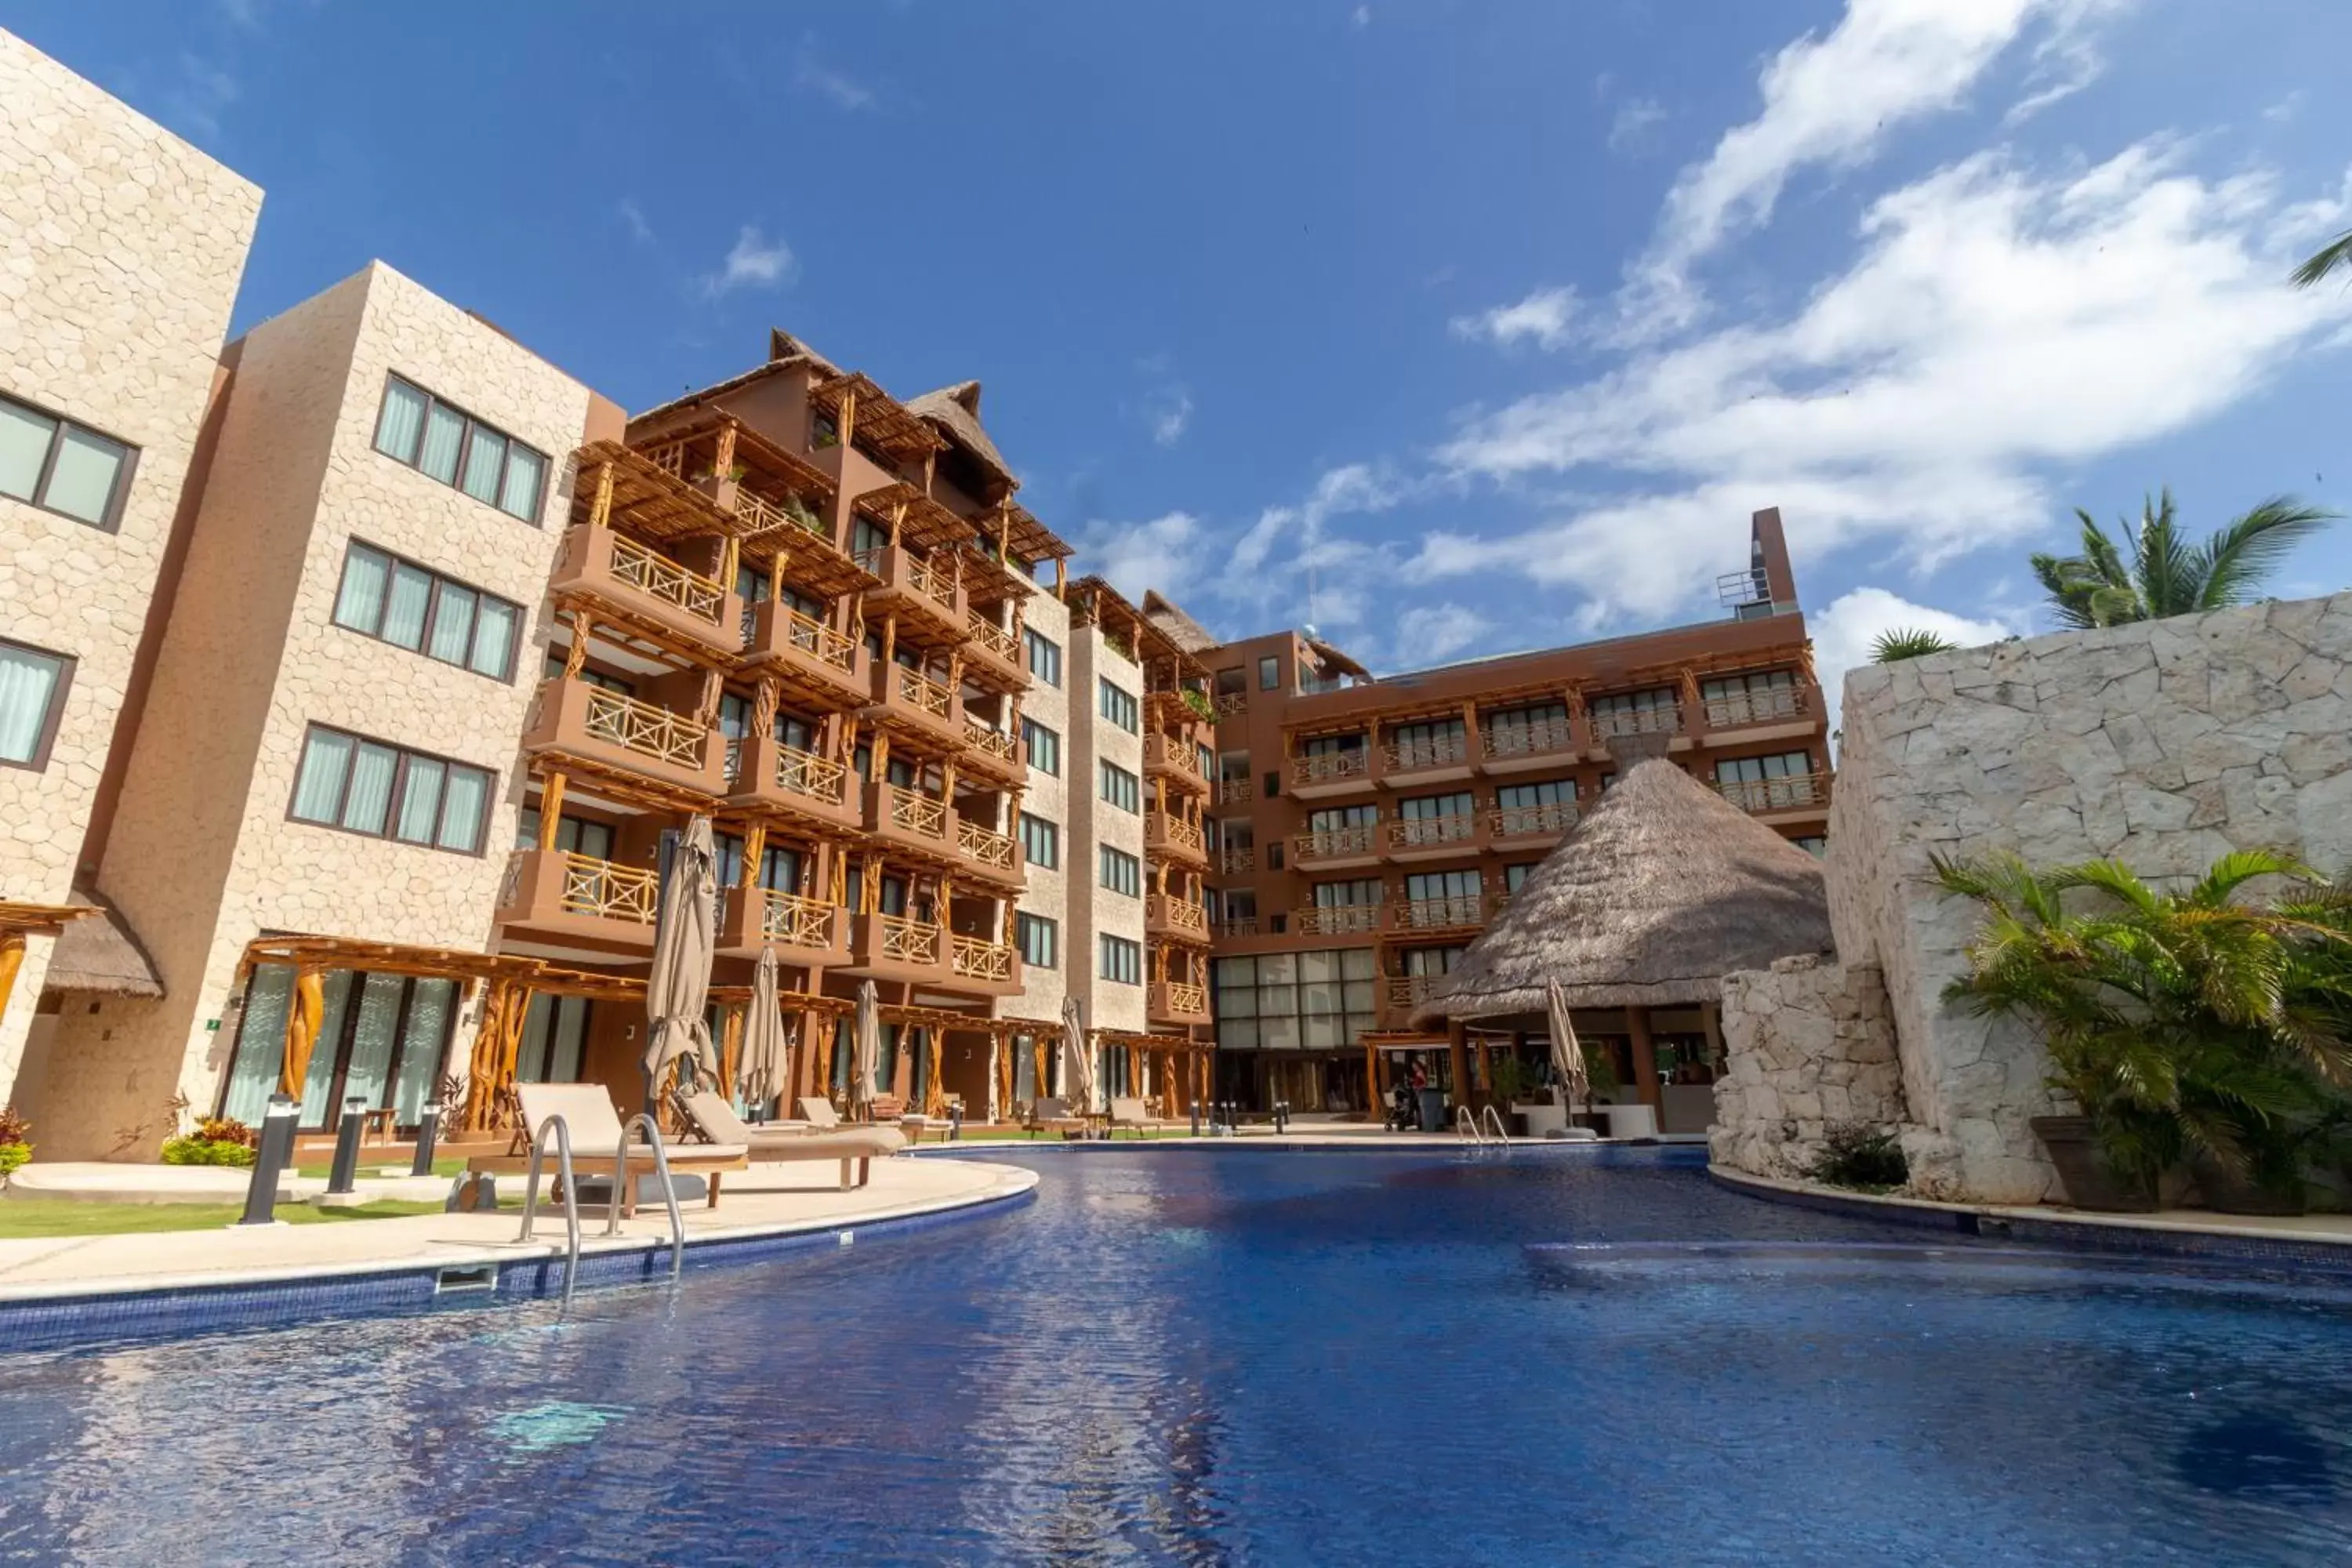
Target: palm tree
[[2336, 255], [1907, 642], [2167, 576]]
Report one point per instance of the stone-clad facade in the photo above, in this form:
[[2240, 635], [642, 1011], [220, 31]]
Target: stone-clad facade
[[122, 248], [203, 857], [2163, 744], [1808, 1044]]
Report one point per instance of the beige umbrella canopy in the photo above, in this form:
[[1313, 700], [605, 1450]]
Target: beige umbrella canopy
[[678, 987], [1566, 1051], [1080, 1059], [1663, 889], [866, 1047], [760, 1078]]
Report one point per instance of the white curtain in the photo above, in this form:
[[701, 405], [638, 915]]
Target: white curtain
[[404, 614], [485, 456], [420, 801], [28, 683], [371, 794], [325, 760], [453, 625], [402, 417], [360, 604], [260, 1044], [445, 432], [461, 808], [521, 495], [420, 1047], [494, 634], [320, 1081]]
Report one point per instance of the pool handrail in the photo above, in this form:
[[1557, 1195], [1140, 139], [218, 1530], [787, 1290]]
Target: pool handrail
[[1466, 1125], [571, 1195], [669, 1192], [1490, 1116]]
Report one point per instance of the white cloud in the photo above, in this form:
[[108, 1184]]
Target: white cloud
[[2285, 109], [811, 75], [1828, 101], [1844, 633], [635, 216], [1543, 316], [1997, 324], [1630, 126], [755, 262], [1162, 554], [1361, 18], [1168, 411], [200, 94], [1427, 634]]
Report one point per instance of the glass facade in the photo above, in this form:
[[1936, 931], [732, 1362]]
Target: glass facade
[[1302, 1001]]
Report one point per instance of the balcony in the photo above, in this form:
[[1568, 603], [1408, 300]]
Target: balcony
[[1545, 822], [583, 900], [802, 930], [1403, 993], [1174, 919], [927, 590], [649, 589], [1177, 1002], [1236, 792], [994, 753], [908, 820], [809, 657], [1431, 761], [1317, 774], [1607, 726], [1428, 838], [1228, 703], [1785, 709], [978, 965], [1238, 862], [893, 947], [1236, 929], [801, 785], [1336, 920], [1174, 839], [1466, 912], [1801, 795], [1177, 760], [995, 653], [606, 728], [992, 855], [1332, 847], [1516, 748], [911, 700]]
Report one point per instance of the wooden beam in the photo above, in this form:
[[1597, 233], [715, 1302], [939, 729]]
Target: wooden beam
[[551, 808]]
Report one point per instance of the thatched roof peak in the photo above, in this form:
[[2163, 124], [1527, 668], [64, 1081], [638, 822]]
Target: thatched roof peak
[[955, 411], [1661, 890], [100, 954]]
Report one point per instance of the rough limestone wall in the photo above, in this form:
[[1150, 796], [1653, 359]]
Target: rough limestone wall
[[2163, 744], [1807, 1043]]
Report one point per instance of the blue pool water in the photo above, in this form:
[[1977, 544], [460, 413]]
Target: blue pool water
[[1245, 1357]]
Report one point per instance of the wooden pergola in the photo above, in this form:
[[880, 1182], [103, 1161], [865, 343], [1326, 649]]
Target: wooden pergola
[[1167, 1050]]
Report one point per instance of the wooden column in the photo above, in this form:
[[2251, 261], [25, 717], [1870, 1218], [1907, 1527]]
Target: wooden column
[[551, 808], [12, 959], [1457, 1055], [1645, 1059], [600, 510]]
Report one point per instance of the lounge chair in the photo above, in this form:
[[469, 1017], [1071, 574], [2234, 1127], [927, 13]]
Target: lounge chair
[[713, 1119], [1132, 1114], [595, 1133], [1049, 1113]]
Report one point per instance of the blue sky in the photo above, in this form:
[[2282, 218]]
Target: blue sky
[[1454, 325]]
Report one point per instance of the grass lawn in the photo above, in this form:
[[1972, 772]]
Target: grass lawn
[[63, 1217], [322, 1169]]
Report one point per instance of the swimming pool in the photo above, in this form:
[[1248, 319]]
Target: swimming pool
[[1246, 1357]]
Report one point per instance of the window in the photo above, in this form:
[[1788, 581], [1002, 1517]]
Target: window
[[1121, 788], [1045, 656], [573, 834], [453, 447], [1427, 808], [1334, 818], [1040, 939], [382, 1038], [1232, 683], [1514, 878], [1450, 887], [1758, 770], [62, 466], [32, 699], [400, 602], [1043, 747], [1273, 785], [1122, 872], [1289, 1001], [1356, 893], [1539, 727], [1812, 844], [1122, 960], [1270, 673], [1745, 698], [1273, 855], [366, 786], [1547, 792], [1041, 843], [1121, 708]]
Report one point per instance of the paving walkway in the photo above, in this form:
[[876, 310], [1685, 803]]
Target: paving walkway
[[766, 1200]]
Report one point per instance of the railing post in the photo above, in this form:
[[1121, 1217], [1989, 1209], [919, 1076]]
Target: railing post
[[342, 1180], [269, 1158]]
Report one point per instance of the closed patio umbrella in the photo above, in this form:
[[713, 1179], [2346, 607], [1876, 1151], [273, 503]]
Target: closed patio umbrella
[[1080, 1054], [760, 1078], [1566, 1051], [677, 988], [866, 1048]]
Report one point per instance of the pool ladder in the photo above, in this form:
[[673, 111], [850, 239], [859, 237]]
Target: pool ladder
[[562, 1131], [1474, 1128]]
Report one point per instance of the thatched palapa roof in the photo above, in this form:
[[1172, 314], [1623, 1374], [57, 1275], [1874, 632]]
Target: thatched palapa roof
[[956, 410], [100, 955], [1175, 624], [1662, 888]]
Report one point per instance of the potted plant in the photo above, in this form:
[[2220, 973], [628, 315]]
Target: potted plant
[[16, 1142]]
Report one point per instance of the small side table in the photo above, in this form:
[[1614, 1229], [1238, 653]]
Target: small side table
[[377, 1126]]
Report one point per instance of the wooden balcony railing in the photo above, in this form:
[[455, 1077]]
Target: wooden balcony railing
[[794, 920], [765, 515], [1329, 767], [1245, 925], [1411, 990], [1441, 914], [934, 579], [1336, 920], [1228, 703], [641, 727], [982, 737], [666, 580], [805, 634], [1236, 792], [1423, 832], [1238, 862], [599, 887], [1552, 816], [1792, 793], [670, 456], [1176, 914], [1439, 751], [920, 690], [1327, 842], [979, 960], [1174, 831], [917, 813], [986, 845], [1756, 707], [1170, 753], [1005, 645], [908, 941], [806, 774], [1638, 722], [1529, 740], [1184, 997]]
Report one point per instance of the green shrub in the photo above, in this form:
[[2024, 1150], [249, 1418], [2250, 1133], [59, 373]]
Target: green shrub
[[197, 1150], [1198, 701], [1856, 1154], [227, 1130], [12, 1155]]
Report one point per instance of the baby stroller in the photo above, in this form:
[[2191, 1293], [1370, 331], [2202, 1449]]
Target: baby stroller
[[1404, 1115]]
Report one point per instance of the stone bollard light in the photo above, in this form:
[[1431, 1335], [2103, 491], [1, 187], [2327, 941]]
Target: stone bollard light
[[277, 1143]]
